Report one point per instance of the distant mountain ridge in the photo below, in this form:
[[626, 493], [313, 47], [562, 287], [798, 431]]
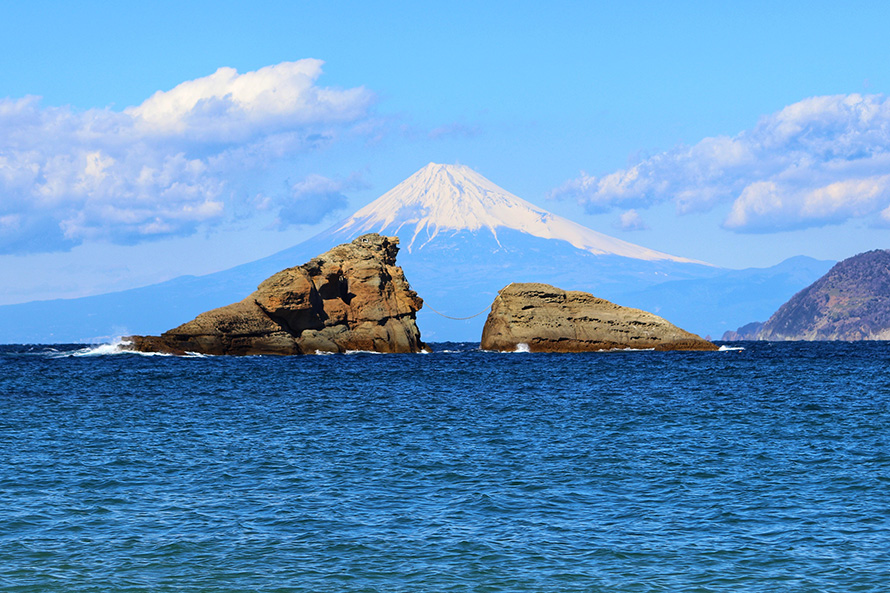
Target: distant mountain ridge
[[850, 302], [714, 305], [463, 238], [466, 238]]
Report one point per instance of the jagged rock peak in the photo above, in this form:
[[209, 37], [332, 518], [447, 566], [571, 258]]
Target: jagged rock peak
[[352, 297], [544, 318], [851, 302], [450, 198]]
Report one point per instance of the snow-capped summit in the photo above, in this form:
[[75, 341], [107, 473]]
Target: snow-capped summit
[[451, 198], [463, 239]]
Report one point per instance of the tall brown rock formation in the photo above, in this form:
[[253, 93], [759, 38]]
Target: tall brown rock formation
[[352, 297], [548, 319]]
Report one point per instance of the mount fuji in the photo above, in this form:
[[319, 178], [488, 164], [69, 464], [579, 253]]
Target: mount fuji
[[448, 199], [463, 238]]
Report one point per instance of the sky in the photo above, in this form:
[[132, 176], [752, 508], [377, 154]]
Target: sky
[[143, 141]]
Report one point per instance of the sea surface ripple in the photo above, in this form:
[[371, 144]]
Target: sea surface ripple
[[763, 469]]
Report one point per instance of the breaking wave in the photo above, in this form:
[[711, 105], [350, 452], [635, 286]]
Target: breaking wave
[[115, 347], [629, 350], [119, 346]]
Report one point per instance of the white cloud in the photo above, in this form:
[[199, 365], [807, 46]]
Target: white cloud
[[631, 221], [166, 167], [232, 107], [820, 161], [767, 206]]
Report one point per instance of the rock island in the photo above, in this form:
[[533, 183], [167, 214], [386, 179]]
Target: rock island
[[352, 297], [549, 319]]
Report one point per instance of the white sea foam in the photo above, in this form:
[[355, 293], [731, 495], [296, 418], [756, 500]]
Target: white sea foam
[[522, 347], [323, 353], [729, 348], [629, 350], [115, 347], [119, 346], [362, 352]]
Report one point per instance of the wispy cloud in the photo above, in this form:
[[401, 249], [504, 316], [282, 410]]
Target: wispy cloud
[[311, 199], [631, 221], [165, 167], [454, 129], [820, 161]]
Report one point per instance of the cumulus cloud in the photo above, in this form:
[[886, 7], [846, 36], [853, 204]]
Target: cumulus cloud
[[820, 161], [231, 107], [162, 168]]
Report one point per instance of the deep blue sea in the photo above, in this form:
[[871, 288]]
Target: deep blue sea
[[762, 469]]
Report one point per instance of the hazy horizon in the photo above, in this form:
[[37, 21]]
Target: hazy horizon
[[141, 143]]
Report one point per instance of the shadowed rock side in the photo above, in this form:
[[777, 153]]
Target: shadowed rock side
[[352, 297], [851, 302], [549, 319], [746, 332]]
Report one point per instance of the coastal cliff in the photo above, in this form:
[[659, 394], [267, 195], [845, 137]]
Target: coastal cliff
[[352, 297], [549, 319], [851, 302]]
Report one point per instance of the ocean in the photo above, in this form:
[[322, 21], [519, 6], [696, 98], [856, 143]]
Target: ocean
[[765, 468]]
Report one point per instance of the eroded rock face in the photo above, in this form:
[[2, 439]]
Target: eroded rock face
[[353, 297], [548, 319]]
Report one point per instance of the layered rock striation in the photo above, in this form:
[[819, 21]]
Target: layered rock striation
[[352, 297], [549, 319], [850, 303]]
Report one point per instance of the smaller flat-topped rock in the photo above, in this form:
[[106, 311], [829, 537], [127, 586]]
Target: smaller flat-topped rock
[[549, 319], [352, 297]]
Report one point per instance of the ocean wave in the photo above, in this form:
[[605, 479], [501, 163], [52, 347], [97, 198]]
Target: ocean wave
[[729, 348], [115, 347], [119, 346], [523, 348], [629, 350]]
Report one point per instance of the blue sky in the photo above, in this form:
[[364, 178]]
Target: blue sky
[[137, 143]]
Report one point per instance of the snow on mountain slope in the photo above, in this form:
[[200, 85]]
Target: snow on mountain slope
[[463, 238], [443, 198]]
